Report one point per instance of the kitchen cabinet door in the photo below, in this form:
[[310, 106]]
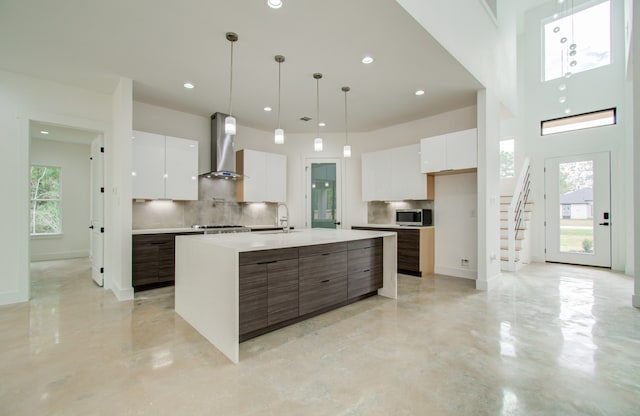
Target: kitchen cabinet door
[[364, 261], [181, 168], [323, 276], [253, 305], [147, 175], [264, 176], [407, 182], [433, 152], [462, 152]]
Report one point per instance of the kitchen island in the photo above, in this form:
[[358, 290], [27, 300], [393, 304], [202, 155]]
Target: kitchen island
[[231, 287]]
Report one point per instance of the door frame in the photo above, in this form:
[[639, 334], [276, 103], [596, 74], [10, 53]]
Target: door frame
[[307, 187], [601, 204]]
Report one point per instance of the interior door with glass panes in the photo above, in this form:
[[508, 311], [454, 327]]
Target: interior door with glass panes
[[577, 210]]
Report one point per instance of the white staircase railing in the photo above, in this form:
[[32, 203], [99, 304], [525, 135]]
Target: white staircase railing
[[516, 212]]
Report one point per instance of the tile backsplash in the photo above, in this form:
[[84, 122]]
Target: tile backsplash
[[379, 212], [216, 205]]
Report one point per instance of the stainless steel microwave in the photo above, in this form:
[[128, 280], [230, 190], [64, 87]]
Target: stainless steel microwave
[[417, 217]]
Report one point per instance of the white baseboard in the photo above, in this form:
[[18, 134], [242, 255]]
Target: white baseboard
[[457, 272], [489, 284], [635, 301], [63, 255], [9, 298], [121, 294]]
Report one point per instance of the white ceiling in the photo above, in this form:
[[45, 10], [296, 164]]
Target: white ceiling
[[60, 133], [160, 44]]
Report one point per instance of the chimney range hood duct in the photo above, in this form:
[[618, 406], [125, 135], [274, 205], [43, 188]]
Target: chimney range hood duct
[[223, 155]]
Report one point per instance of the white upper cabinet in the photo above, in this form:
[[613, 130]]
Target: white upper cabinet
[[181, 168], [148, 165], [164, 167], [264, 176], [451, 151], [393, 175]]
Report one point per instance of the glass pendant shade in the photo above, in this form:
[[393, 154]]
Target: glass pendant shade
[[346, 150], [230, 125], [279, 136], [317, 144]]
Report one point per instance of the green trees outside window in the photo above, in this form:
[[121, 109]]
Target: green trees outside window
[[44, 214]]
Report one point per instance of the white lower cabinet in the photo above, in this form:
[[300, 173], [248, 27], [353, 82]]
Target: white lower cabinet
[[164, 167], [264, 176], [451, 151], [393, 175]]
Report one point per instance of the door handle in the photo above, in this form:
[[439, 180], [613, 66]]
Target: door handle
[[604, 223], [337, 222], [91, 227]]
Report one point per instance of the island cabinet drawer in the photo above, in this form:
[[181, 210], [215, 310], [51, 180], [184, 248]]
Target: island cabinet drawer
[[369, 242], [318, 249], [253, 305], [409, 250], [365, 271], [323, 281], [267, 256]]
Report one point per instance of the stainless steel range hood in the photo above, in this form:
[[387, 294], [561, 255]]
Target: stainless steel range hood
[[223, 155]]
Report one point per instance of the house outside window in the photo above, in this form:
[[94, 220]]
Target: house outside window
[[577, 41], [46, 202]]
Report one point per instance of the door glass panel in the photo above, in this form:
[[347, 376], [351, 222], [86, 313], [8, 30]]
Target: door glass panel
[[576, 207], [323, 195]]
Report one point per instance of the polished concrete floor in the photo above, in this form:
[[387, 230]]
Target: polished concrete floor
[[551, 340]]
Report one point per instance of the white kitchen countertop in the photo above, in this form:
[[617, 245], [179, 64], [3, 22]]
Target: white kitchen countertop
[[241, 242], [165, 230], [404, 227]]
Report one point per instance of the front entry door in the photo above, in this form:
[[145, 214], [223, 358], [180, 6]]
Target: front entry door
[[578, 210], [324, 192]]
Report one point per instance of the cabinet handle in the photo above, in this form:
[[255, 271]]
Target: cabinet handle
[[326, 254], [267, 262], [368, 270], [326, 281]]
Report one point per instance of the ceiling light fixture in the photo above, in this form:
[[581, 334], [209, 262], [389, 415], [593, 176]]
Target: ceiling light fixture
[[346, 150], [367, 60], [274, 4], [322, 124], [44, 132], [420, 92], [317, 142], [279, 132], [267, 109], [230, 121], [188, 85]]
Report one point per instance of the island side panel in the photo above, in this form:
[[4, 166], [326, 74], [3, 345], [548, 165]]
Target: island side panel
[[389, 266], [206, 291]]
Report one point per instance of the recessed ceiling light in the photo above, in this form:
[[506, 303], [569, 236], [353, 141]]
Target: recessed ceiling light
[[44, 132], [274, 4], [322, 124], [367, 60], [267, 109], [188, 85], [420, 92]]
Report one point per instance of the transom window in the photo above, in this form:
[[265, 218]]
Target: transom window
[[577, 41]]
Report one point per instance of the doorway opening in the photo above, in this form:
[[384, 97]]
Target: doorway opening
[[66, 200], [323, 193]]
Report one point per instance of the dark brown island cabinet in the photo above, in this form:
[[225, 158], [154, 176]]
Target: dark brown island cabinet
[[283, 286], [153, 260], [416, 252]]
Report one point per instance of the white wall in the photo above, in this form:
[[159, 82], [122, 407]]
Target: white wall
[[636, 152], [73, 159], [24, 98], [456, 225], [587, 91]]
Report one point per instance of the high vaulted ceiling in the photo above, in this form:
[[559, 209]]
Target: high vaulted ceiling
[[161, 44]]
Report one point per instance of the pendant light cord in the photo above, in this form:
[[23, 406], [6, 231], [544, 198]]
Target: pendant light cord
[[346, 126], [231, 81], [318, 107], [279, 65]]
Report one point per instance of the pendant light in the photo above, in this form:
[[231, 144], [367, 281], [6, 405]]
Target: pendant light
[[279, 133], [346, 150], [317, 142], [230, 121]]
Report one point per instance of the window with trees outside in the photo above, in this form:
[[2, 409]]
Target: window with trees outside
[[507, 167], [45, 211]]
